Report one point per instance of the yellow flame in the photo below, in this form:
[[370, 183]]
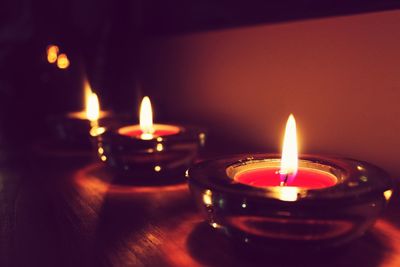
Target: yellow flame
[[62, 61], [388, 194], [289, 162], [52, 53], [207, 197], [92, 107], [146, 119]]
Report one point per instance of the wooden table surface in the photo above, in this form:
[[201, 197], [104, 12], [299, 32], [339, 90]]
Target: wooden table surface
[[65, 211]]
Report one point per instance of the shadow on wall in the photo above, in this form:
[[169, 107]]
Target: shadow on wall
[[339, 76]]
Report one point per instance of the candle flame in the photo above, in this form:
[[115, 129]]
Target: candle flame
[[52, 53], [92, 107], [62, 61], [289, 161], [146, 119]]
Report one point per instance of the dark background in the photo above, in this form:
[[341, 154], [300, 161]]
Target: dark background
[[104, 40]]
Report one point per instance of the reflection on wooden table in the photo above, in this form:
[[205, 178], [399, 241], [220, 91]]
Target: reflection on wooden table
[[77, 216]]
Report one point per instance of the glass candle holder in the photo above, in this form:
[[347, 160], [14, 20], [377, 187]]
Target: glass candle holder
[[161, 159], [73, 130], [323, 215]]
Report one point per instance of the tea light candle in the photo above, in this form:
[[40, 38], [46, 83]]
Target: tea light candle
[[146, 130], [290, 200], [305, 178], [75, 130], [92, 111], [289, 174], [148, 153]]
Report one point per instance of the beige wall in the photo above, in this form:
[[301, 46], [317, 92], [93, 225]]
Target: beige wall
[[339, 76]]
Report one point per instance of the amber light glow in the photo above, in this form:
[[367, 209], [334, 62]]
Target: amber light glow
[[289, 161], [62, 61], [52, 53], [92, 111], [92, 107], [146, 119]]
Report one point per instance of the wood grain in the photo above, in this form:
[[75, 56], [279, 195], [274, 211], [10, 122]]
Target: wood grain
[[73, 215]]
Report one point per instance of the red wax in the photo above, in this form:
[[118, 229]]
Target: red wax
[[159, 130], [305, 178]]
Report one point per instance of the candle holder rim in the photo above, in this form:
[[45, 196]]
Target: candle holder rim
[[178, 127], [102, 114], [202, 174], [68, 116], [185, 131]]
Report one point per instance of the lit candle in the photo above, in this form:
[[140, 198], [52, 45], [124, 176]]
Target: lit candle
[[93, 108], [76, 129], [146, 130], [149, 153], [305, 201], [89, 107], [289, 173]]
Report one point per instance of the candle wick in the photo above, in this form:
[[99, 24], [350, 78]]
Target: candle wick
[[283, 183]]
